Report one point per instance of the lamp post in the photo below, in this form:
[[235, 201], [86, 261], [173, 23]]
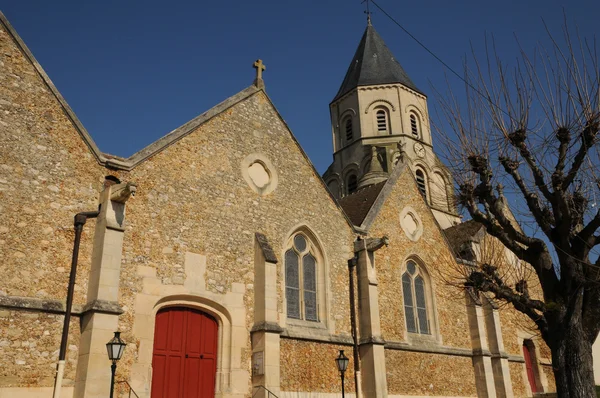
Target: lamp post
[[342, 364], [115, 348]]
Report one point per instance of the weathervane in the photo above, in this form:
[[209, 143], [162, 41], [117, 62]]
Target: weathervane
[[367, 11]]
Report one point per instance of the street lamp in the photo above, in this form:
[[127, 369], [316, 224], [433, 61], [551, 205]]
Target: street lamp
[[342, 364], [115, 348]]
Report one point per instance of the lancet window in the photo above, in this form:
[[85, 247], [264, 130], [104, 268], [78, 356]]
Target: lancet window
[[301, 271]]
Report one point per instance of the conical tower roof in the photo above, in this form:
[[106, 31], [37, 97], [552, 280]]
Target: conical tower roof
[[373, 64]]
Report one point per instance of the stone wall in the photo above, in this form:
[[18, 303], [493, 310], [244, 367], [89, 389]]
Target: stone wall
[[192, 198], [29, 345], [429, 251], [310, 366], [518, 381], [430, 374], [47, 174]]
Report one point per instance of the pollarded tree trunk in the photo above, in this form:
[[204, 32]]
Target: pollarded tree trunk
[[573, 364]]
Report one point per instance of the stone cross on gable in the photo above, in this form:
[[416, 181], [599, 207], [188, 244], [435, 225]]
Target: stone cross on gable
[[260, 67]]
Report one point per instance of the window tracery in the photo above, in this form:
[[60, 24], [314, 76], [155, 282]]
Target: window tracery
[[415, 300], [301, 269]]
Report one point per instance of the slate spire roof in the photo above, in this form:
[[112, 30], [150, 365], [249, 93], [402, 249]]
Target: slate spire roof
[[373, 63]]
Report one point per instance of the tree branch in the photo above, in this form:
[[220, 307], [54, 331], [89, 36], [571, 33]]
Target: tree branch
[[587, 233], [488, 280], [588, 136], [517, 140], [541, 213]]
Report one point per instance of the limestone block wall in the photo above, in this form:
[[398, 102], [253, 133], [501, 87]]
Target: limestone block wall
[[430, 374], [47, 174], [29, 345], [310, 366], [448, 316]]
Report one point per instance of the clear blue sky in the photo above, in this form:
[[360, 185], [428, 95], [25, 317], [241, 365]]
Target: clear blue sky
[[134, 70]]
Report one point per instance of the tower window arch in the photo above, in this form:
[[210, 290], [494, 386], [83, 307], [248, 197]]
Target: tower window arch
[[414, 126], [352, 183], [421, 182], [439, 194], [416, 307], [348, 129], [382, 121], [303, 270]]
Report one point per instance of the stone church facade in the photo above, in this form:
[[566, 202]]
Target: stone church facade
[[228, 264]]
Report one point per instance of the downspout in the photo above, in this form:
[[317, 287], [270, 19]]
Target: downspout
[[79, 222], [357, 380]]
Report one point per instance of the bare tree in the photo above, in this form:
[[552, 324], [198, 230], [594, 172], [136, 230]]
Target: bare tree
[[531, 130]]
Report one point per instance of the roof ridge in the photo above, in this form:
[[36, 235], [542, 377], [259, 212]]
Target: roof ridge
[[107, 159], [183, 130], [85, 136]]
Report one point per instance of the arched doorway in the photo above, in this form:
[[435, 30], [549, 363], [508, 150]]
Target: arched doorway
[[184, 360], [529, 356]]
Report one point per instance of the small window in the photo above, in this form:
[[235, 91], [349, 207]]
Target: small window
[[382, 121], [415, 300], [348, 127], [421, 182], [352, 183], [301, 269], [414, 127]]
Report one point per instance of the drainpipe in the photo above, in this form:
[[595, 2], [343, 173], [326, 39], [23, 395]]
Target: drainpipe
[[357, 380], [80, 219]]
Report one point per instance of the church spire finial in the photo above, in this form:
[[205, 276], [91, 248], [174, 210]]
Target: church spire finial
[[368, 12]]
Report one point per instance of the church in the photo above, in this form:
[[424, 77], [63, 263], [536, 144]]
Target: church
[[230, 267]]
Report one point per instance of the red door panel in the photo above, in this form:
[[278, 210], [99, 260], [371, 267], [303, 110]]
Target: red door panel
[[529, 366], [184, 360]]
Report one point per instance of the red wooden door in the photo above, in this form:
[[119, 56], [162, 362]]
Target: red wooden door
[[184, 362], [529, 366]]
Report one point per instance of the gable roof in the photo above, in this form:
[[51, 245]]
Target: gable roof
[[373, 63], [462, 233], [358, 204]]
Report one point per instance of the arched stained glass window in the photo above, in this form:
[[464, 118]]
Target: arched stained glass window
[[292, 284], [415, 300], [301, 272], [409, 308]]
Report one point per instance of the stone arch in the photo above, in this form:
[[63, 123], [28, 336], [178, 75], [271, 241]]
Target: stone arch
[[439, 190], [411, 108], [381, 120], [388, 105], [526, 338], [431, 301], [228, 309], [323, 295], [422, 179], [348, 112], [351, 169], [334, 185], [225, 353]]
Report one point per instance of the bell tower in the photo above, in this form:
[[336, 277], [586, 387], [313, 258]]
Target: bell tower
[[378, 117]]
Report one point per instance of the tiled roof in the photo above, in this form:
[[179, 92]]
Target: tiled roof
[[462, 233], [358, 204], [373, 63]]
